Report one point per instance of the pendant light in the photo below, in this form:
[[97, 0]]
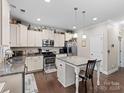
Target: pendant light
[[75, 19], [84, 35]]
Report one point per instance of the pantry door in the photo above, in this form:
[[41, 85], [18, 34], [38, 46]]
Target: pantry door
[[96, 47]]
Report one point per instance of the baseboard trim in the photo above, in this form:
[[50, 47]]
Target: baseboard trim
[[110, 71], [104, 72]]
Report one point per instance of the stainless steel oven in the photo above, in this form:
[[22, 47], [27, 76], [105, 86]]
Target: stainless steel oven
[[49, 61], [47, 43]]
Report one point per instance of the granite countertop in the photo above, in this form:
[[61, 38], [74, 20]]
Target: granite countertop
[[74, 60], [33, 55], [60, 53], [17, 66]]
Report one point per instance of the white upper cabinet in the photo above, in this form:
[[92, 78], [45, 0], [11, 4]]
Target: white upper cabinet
[[31, 38], [23, 35], [38, 38], [34, 38], [48, 34], [18, 35], [4, 23], [68, 36], [13, 35], [59, 40], [56, 40], [62, 40]]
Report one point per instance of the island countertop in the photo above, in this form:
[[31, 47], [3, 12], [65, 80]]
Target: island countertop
[[74, 60], [17, 66]]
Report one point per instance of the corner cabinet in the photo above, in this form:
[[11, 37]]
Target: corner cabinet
[[4, 23]]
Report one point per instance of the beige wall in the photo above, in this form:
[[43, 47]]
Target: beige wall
[[113, 56], [90, 31], [110, 36], [83, 51]]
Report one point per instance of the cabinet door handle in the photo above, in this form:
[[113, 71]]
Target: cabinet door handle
[[60, 64]]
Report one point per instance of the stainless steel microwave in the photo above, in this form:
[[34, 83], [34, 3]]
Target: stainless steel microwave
[[47, 43]]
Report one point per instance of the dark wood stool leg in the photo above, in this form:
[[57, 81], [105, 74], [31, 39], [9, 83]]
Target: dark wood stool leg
[[92, 82], [85, 86]]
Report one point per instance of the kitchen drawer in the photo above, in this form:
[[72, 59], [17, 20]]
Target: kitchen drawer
[[61, 55]]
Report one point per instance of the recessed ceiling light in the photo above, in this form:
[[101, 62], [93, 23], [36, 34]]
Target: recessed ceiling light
[[74, 27], [95, 18], [48, 1], [38, 19], [84, 36]]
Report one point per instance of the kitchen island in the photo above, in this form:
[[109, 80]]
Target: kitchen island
[[68, 69]]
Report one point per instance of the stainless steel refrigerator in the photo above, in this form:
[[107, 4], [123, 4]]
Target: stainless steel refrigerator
[[71, 48]]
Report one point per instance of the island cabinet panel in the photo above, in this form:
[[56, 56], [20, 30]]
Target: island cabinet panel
[[65, 73], [60, 71]]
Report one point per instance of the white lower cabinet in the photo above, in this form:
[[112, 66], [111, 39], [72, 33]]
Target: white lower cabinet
[[65, 73], [34, 63], [61, 55], [13, 83]]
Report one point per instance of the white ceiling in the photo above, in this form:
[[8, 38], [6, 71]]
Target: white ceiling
[[60, 13]]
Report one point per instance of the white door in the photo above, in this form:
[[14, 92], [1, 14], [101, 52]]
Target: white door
[[96, 47], [122, 53]]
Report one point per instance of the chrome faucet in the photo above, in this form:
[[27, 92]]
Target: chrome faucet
[[8, 55]]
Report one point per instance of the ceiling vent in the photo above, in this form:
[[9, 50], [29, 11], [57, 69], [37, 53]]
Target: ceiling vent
[[13, 6], [22, 10]]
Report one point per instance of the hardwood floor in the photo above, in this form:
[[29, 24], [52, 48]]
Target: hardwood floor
[[114, 83]]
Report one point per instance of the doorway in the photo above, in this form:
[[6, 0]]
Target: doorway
[[121, 52], [96, 48]]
